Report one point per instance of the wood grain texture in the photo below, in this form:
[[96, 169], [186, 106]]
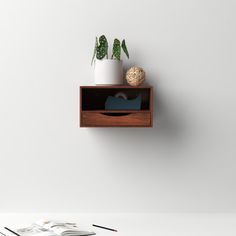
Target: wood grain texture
[[93, 113], [97, 119]]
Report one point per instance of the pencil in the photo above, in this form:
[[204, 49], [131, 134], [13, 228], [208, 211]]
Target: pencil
[[102, 227], [12, 231]]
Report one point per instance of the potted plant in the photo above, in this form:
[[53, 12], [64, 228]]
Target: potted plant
[[108, 71]]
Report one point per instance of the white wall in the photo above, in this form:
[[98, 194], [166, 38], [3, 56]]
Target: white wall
[[186, 163]]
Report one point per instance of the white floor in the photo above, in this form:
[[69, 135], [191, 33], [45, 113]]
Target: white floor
[[139, 224]]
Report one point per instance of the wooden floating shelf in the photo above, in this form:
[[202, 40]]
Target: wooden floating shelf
[[94, 114]]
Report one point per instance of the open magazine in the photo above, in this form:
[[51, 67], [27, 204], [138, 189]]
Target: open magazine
[[52, 228]]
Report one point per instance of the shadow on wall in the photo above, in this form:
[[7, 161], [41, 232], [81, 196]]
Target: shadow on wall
[[168, 132]]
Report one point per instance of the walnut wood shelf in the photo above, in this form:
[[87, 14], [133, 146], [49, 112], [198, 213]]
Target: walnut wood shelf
[[93, 113]]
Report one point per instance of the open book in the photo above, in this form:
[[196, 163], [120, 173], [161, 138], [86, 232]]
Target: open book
[[53, 228]]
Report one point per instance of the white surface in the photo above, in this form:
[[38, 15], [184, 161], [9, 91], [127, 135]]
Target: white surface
[[108, 72], [140, 224], [186, 163]]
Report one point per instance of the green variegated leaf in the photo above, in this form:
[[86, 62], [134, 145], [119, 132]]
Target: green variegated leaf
[[124, 47], [102, 49], [116, 49]]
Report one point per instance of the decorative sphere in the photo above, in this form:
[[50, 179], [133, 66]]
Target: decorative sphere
[[135, 76]]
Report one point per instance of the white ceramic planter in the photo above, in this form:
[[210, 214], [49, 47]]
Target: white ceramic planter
[[108, 72]]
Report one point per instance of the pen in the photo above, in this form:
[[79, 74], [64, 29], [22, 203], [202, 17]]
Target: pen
[[12, 231], [102, 227]]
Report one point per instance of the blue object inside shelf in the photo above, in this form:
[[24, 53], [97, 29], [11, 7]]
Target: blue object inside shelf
[[116, 103]]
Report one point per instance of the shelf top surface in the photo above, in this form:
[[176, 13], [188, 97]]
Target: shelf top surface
[[115, 86]]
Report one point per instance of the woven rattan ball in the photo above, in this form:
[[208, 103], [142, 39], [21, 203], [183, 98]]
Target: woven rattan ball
[[135, 76]]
